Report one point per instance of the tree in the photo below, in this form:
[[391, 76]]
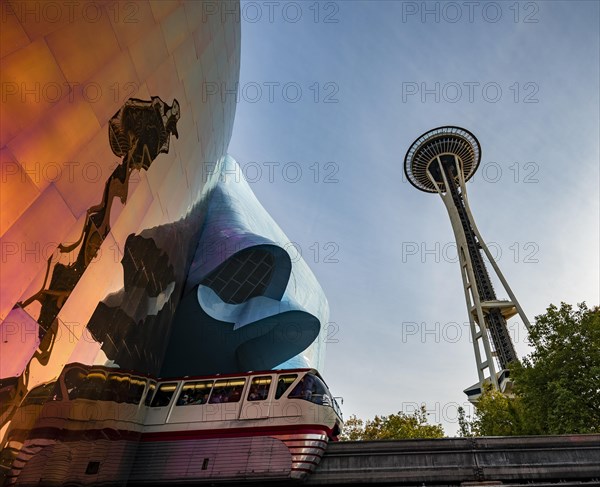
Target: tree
[[556, 387], [465, 426], [393, 427], [559, 382], [496, 414]]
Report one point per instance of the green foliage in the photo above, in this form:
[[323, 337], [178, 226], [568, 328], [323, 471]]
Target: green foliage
[[556, 387], [393, 427], [353, 429], [497, 414], [559, 382], [465, 426]]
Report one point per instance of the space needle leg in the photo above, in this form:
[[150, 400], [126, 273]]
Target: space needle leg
[[473, 300], [488, 254]]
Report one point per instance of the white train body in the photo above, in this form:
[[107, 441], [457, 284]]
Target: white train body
[[101, 426]]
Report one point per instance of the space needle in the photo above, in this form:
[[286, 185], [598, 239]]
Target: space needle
[[441, 161]]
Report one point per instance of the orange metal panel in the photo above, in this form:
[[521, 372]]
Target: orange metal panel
[[185, 58], [139, 200], [161, 9], [174, 29], [148, 53], [133, 22], [27, 246], [108, 88], [202, 39], [32, 83], [83, 179], [82, 48], [50, 144], [12, 35], [18, 190], [39, 18]]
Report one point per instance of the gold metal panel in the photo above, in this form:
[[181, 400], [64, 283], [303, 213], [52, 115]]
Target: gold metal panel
[[82, 48], [104, 275], [197, 170], [72, 235], [194, 88], [164, 80], [18, 191], [111, 86], [179, 198], [148, 53], [12, 35], [174, 29], [210, 70], [202, 39], [133, 23], [161, 9], [19, 342], [158, 171], [193, 82], [32, 84], [39, 18], [28, 245], [196, 14], [58, 136], [82, 182], [205, 134], [185, 59], [139, 200], [188, 140]]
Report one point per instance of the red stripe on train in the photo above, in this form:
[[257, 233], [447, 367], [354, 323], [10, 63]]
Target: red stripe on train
[[236, 433], [64, 434]]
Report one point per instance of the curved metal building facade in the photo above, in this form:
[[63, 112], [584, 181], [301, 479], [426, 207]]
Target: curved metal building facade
[[124, 242]]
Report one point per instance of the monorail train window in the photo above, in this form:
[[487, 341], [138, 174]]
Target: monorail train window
[[92, 386], [136, 390], [227, 390], [73, 380], [283, 384], [151, 388], [259, 388], [40, 394], [117, 388], [164, 394], [313, 389], [194, 393]]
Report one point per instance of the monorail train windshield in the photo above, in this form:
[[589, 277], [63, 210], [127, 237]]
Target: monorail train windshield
[[312, 388]]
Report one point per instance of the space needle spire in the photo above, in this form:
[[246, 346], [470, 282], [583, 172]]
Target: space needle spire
[[442, 161]]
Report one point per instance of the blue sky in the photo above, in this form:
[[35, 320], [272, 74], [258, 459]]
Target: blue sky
[[323, 144]]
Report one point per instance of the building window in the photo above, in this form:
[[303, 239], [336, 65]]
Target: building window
[[243, 276]]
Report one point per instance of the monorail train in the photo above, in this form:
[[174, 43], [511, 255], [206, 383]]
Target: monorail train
[[97, 425]]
